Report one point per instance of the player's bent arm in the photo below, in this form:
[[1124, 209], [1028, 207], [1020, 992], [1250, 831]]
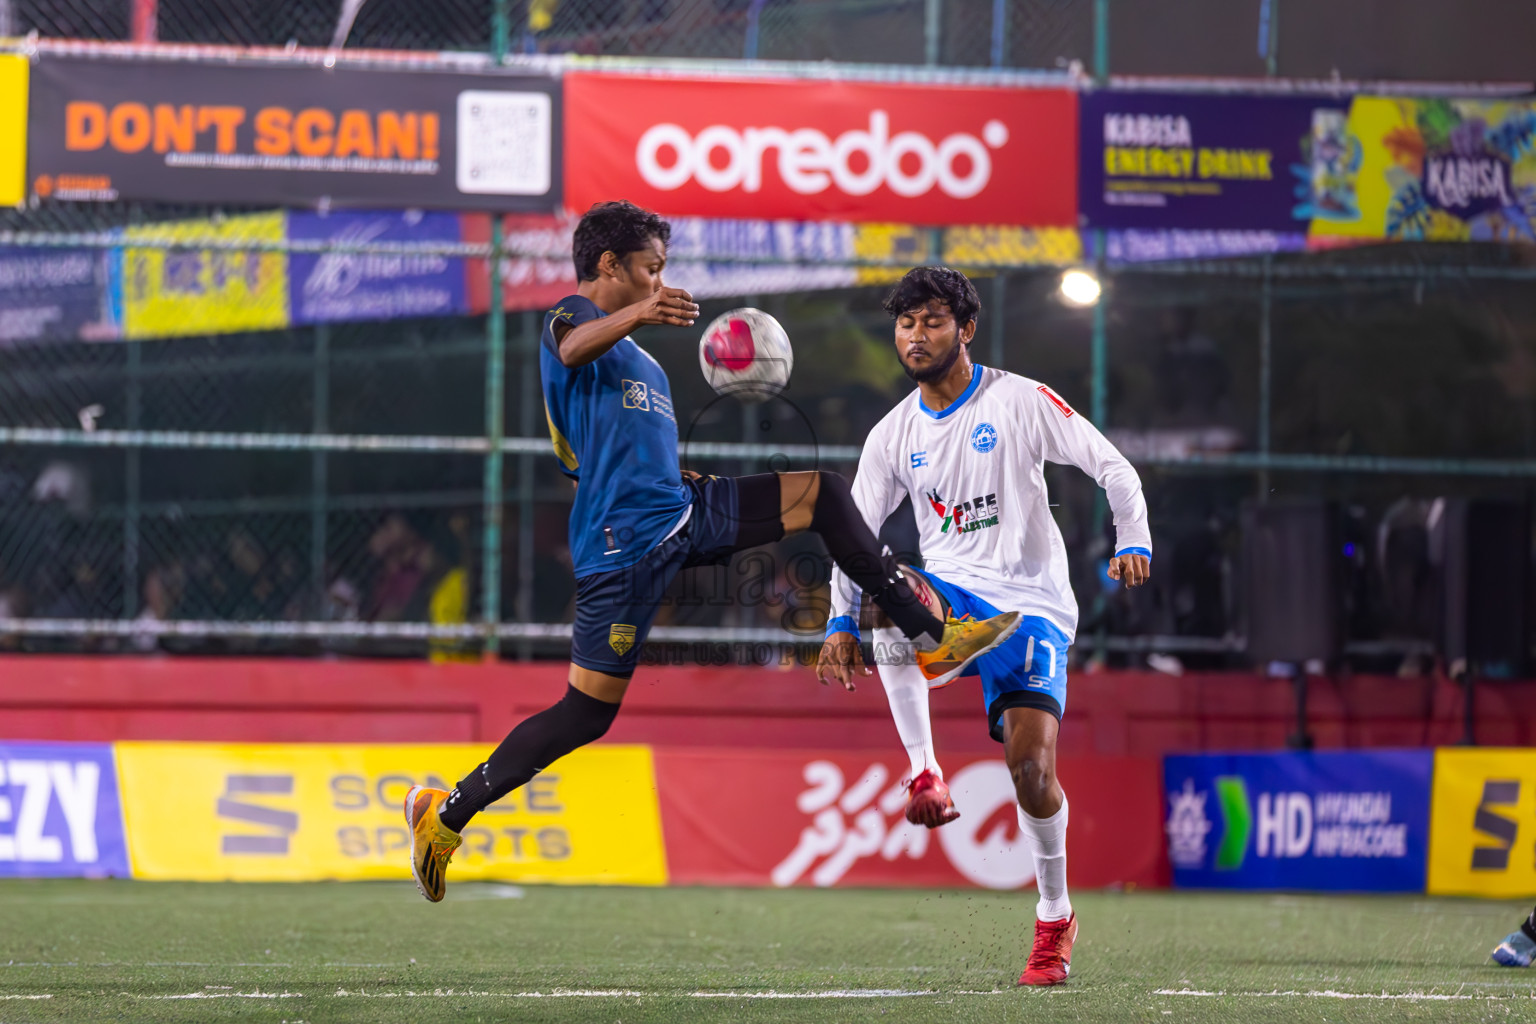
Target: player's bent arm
[[876, 493], [1071, 440], [587, 342]]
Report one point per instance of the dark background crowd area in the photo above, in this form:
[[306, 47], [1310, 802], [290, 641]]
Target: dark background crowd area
[[156, 534]]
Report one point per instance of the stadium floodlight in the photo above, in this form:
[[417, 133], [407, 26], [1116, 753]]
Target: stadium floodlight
[[1080, 288]]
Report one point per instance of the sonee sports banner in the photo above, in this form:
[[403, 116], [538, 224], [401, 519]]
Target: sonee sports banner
[[1484, 824], [103, 129], [1348, 821]]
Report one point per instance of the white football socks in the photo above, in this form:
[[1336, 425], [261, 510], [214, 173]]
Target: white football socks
[[907, 692], [1047, 838]]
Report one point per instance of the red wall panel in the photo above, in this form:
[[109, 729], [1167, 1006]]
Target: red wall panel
[[1113, 714]]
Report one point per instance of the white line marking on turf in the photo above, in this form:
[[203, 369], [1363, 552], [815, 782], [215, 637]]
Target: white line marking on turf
[[1411, 997], [853, 993], [565, 993], [224, 995], [27, 997]]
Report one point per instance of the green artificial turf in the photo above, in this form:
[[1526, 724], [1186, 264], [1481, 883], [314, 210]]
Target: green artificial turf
[[142, 951]]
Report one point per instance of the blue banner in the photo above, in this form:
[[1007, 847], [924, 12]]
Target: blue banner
[[1350, 821], [1153, 160], [60, 814], [54, 295], [335, 286]]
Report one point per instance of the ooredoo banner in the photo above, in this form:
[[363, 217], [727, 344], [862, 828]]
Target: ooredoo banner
[[292, 812], [59, 811], [823, 819], [801, 150], [104, 129], [1349, 821], [1484, 835]]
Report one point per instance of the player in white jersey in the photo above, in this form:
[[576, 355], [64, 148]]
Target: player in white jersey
[[968, 447]]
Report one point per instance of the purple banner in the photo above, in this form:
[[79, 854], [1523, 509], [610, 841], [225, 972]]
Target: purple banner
[[60, 815], [1121, 247], [1224, 163], [334, 286], [54, 295]]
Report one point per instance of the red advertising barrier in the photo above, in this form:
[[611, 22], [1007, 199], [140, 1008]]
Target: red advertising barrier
[[817, 819], [852, 151]]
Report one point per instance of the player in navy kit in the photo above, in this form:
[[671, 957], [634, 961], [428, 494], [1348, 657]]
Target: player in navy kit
[[638, 520]]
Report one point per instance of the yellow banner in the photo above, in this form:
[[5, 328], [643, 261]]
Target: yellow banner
[[1482, 834], [1012, 247], [170, 292], [298, 812], [13, 129]]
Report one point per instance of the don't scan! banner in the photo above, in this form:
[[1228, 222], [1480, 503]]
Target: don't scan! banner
[[104, 129], [1348, 821], [272, 812]]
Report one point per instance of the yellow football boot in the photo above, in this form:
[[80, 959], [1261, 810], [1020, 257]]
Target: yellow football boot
[[964, 641], [432, 842]]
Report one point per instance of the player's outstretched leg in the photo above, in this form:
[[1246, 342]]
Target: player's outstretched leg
[[928, 799], [1029, 747], [822, 502], [437, 818], [1519, 947], [432, 842]]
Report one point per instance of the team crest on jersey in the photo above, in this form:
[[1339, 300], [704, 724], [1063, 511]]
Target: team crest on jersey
[[984, 437], [637, 395], [621, 637], [965, 516]]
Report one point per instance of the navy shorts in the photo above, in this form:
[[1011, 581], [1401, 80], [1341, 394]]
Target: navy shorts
[[1028, 671], [614, 610]]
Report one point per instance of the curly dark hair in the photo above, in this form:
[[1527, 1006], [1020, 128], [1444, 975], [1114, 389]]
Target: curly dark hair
[[924, 284], [618, 227]]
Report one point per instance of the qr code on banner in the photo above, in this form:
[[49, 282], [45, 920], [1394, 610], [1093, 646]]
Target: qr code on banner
[[504, 143]]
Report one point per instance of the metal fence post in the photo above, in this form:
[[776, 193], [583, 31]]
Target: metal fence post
[[495, 414], [529, 402], [1266, 373], [932, 21], [999, 31], [132, 493], [319, 466], [1101, 40], [999, 294]]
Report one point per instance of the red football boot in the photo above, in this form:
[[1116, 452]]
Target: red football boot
[[928, 801], [1051, 960]]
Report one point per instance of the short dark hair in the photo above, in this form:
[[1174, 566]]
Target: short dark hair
[[618, 227], [924, 284]]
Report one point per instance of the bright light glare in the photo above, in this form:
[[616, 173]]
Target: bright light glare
[[1080, 288]]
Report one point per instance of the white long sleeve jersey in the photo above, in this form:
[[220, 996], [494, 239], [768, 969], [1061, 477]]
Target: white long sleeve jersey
[[976, 475]]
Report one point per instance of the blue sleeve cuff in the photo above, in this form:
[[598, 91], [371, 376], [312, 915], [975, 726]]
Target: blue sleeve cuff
[[1145, 552], [843, 624]]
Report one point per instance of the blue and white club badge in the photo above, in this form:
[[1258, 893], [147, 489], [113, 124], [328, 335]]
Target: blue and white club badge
[[984, 437]]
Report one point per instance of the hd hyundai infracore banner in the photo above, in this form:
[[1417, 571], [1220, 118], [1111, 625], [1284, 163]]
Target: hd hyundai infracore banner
[[102, 129]]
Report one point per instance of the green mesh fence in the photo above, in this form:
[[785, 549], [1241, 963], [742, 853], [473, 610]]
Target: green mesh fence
[[241, 486]]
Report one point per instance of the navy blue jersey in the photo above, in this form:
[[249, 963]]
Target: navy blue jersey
[[613, 428]]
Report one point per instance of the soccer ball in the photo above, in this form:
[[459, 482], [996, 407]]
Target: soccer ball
[[746, 353]]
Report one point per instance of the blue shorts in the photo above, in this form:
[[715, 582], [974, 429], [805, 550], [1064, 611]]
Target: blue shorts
[[1028, 671], [614, 610]]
